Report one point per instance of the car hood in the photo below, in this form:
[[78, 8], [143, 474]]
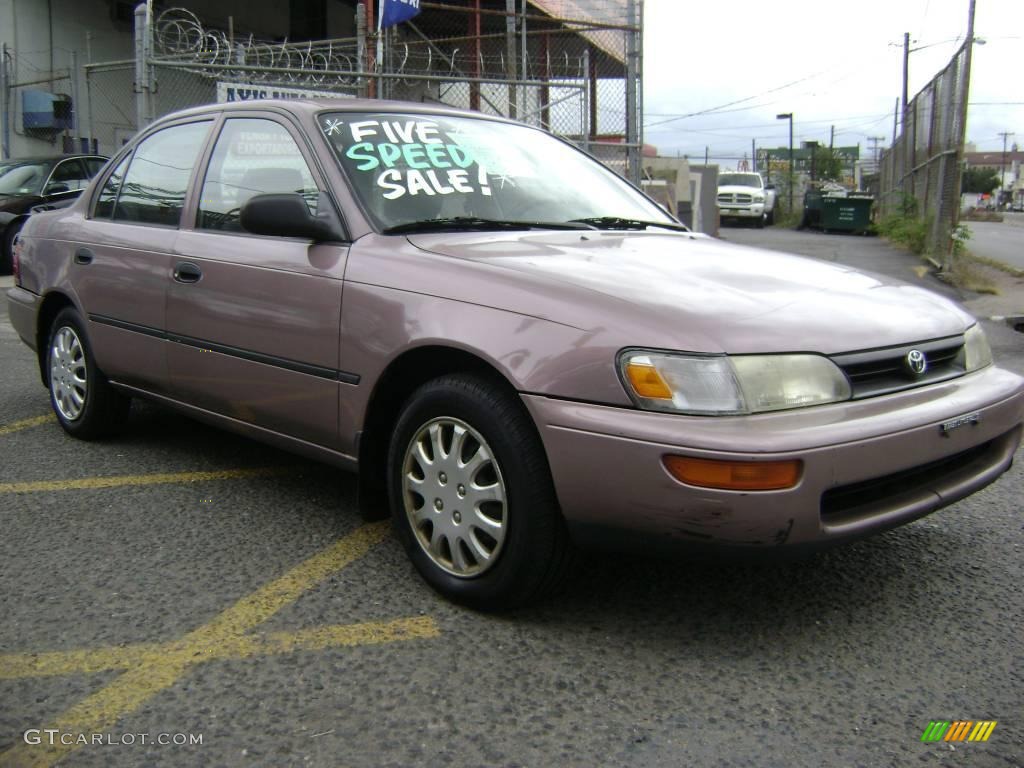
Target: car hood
[[688, 291], [17, 203]]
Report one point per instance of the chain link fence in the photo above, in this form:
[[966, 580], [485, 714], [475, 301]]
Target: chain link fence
[[920, 174], [570, 68]]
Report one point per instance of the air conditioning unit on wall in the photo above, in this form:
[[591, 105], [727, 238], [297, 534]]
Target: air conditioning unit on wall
[[46, 112]]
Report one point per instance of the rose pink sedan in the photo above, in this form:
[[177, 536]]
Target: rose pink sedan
[[517, 350]]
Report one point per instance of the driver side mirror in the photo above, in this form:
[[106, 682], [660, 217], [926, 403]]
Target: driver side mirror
[[56, 188], [287, 215]]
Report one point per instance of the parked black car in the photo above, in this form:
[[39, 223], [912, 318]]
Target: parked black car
[[30, 181]]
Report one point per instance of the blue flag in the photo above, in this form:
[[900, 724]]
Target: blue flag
[[396, 11]]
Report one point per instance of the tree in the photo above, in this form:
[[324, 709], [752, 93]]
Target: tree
[[828, 166], [979, 181]]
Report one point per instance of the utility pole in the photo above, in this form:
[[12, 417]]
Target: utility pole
[[875, 141], [906, 67], [1002, 165], [753, 155], [832, 138]]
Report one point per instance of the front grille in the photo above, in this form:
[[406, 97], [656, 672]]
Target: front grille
[[735, 198], [880, 371], [850, 501]]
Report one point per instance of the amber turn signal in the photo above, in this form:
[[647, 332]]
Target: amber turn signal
[[734, 475], [647, 382]]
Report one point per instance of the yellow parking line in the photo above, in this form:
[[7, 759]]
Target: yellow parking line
[[117, 481], [17, 426], [93, 660], [315, 639], [78, 662], [269, 599], [156, 667]]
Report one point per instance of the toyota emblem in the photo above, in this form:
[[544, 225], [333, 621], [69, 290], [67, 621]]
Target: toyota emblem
[[916, 362]]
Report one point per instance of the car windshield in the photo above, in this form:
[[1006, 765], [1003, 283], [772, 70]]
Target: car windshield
[[422, 168], [739, 180], [22, 178]]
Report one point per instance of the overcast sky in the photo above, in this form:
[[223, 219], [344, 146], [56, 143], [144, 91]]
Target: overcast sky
[[829, 63]]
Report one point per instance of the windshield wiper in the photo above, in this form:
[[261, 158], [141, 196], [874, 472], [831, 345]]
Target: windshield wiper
[[457, 223], [618, 222]]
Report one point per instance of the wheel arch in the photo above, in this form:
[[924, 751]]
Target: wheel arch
[[403, 376], [51, 306]]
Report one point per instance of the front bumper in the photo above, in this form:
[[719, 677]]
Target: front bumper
[[868, 465], [750, 212]]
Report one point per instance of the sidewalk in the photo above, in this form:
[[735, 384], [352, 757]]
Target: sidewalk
[[1009, 302]]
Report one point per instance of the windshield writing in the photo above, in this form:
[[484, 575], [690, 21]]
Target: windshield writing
[[408, 168]]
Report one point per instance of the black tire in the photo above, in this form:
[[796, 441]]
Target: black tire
[[7, 246], [533, 555], [102, 410], [770, 218]]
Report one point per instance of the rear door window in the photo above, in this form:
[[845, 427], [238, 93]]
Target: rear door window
[[153, 190]]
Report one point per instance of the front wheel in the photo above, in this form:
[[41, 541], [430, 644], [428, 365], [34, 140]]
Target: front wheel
[[471, 495], [85, 404]]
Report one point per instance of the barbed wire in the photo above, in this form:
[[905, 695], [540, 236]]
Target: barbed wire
[[180, 38]]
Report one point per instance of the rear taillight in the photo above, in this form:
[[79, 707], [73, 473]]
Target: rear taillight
[[16, 260]]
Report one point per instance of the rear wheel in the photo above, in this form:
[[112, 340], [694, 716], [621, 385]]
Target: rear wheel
[[471, 495], [85, 404]]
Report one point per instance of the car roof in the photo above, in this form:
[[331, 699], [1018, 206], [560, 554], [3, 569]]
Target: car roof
[[49, 158], [311, 107]]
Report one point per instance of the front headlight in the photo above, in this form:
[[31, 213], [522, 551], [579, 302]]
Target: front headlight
[[758, 198], [976, 351], [718, 384]]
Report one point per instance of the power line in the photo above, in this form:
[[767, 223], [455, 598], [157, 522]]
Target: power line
[[721, 107]]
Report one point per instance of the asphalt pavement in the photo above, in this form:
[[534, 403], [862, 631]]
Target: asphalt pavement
[[180, 582], [1000, 241]]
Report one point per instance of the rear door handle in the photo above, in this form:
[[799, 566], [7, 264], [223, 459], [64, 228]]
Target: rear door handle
[[187, 272], [83, 256]]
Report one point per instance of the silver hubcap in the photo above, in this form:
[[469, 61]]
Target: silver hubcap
[[67, 373], [454, 497]]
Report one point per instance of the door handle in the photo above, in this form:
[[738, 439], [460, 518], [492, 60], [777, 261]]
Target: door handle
[[83, 256], [187, 272]]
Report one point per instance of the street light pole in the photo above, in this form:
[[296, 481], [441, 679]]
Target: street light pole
[[789, 116], [1002, 168]]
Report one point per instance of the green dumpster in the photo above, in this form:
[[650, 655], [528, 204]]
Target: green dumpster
[[846, 214], [812, 209]]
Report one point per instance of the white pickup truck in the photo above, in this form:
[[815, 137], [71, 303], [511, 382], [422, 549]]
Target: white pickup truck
[[743, 197]]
